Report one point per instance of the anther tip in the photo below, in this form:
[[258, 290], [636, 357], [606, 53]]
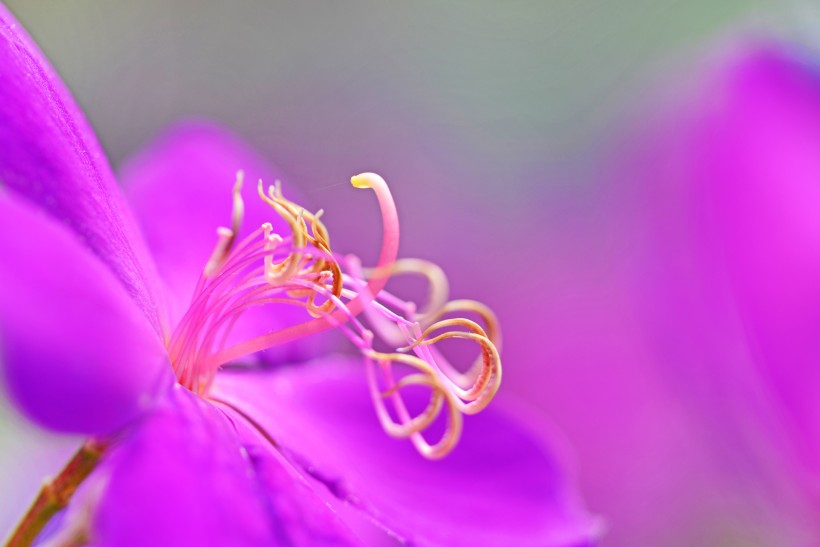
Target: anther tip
[[366, 180]]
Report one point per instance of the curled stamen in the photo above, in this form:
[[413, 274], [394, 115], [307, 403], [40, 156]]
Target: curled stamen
[[472, 390], [436, 281], [409, 426], [478, 385], [275, 273], [482, 310], [427, 416], [298, 217], [386, 258], [472, 326], [301, 270]]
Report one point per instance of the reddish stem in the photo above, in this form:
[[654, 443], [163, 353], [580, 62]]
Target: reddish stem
[[56, 493]]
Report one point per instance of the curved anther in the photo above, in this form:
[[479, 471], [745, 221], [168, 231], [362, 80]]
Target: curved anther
[[482, 380], [425, 418], [227, 236], [224, 240], [433, 381], [238, 210], [276, 273], [413, 427], [485, 384], [482, 310], [472, 326], [438, 287]]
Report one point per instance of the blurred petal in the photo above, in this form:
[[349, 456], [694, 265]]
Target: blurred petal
[[729, 190], [50, 155], [77, 354], [501, 486], [183, 477], [180, 188], [758, 162]]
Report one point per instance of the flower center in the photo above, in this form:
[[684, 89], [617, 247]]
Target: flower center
[[300, 269]]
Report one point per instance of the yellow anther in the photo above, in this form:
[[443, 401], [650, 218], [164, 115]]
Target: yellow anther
[[299, 263], [226, 237], [224, 240], [238, 212], [366, 180]]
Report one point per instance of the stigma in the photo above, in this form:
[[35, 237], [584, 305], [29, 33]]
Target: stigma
[[397, 339]]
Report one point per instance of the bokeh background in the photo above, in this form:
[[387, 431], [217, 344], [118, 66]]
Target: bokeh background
[[497, 124]]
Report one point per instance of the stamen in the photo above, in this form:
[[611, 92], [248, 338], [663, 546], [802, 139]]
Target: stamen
[[482, 310], [389, 251], [238, 212], [486, 376], [301, 270], [436, 280], [226, 236], [412, 427]]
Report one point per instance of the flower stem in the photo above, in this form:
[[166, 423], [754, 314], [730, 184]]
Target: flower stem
[[56, 493]]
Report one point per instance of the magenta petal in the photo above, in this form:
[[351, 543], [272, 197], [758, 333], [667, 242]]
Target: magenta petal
[[734, 183], [501, 486], [759, 166], [183, 476], [303, 517], [729, 183], [50, 155], [180, 187], [77, 354]]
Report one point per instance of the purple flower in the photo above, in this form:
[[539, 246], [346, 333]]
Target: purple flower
[[730, 285], [117, 316]]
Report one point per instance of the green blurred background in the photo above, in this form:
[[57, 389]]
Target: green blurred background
[[502, 89]]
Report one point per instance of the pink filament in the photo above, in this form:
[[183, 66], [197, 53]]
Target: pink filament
[[387, 256]]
